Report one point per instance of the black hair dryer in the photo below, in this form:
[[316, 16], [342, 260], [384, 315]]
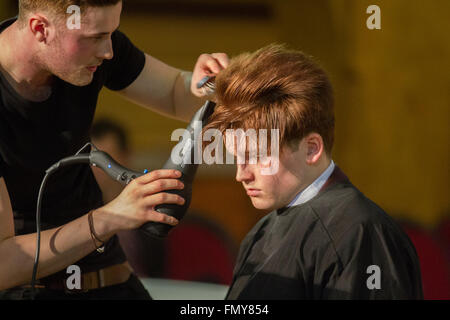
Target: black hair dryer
[[186, 150], [184, 154]]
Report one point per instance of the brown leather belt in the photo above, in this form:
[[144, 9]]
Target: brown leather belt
[[108, 276]]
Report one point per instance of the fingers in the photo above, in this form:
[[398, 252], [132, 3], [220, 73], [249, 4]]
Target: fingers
[[213, 63], [212, 66], [160, 185], [158, 174], [156, 216], [222, 59], [162, 198], [147, 192], [136, 204], [207, 65], [156, 182]]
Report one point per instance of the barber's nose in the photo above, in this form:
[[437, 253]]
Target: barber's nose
[[244, 173]]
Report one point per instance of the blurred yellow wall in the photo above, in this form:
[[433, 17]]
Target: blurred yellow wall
[[6, 10], [392, 95], [395, 145], [393, 98]]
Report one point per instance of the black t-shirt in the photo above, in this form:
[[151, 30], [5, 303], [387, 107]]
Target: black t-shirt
[[327, 248], [35, 135]]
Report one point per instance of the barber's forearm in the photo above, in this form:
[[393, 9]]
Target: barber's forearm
[[164, 89], [185, 103], [60, 247]]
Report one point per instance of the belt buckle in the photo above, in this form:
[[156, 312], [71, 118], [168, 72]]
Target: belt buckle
[[90, 281], [101, 278]]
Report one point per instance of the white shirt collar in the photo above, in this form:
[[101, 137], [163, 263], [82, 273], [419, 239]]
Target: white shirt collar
[[313, 189]]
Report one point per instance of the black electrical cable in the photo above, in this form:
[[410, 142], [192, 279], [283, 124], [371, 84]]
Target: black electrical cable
[[117, 172], [78, 158], [38, 234]]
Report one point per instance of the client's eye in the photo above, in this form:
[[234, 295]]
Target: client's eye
[[99, 37]]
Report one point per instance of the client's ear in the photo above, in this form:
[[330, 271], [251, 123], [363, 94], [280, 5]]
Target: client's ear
[[314, 147]]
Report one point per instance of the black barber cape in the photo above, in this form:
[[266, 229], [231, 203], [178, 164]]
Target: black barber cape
[[338, 245], [35, 135]]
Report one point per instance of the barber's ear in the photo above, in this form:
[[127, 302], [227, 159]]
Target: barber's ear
[[314, 147], [40, 28]]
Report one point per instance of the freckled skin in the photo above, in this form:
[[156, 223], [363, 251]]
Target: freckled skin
[[71, 52], [296, 170], [275, 190]]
